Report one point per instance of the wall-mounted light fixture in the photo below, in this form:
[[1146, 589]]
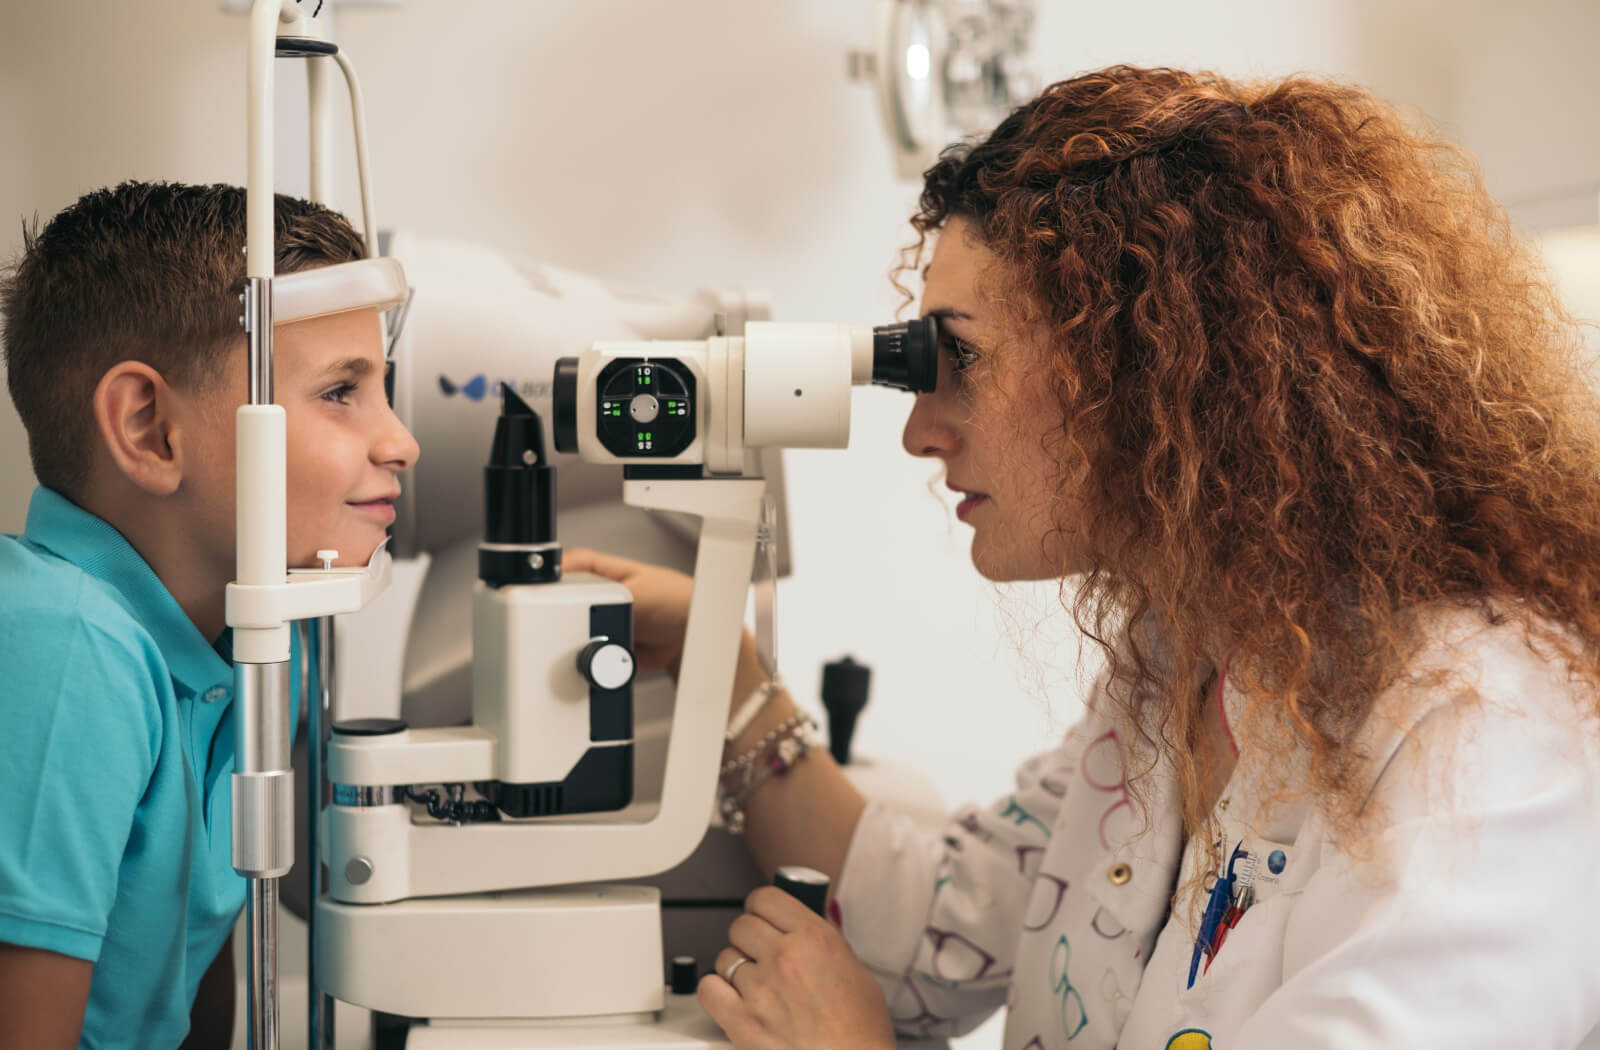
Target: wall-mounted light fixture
[[946, 69]]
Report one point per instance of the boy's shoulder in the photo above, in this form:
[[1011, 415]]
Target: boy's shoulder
[[44, 595], [73, 645]]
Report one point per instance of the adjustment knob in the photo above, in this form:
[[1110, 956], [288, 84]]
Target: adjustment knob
[[845, 685], [685, 975], [606, 664], [644, 408], [807, 885]]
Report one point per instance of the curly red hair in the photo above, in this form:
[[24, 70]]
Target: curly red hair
[[1315, 382]]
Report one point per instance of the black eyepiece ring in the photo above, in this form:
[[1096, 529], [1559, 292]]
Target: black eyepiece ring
[[906, 355]]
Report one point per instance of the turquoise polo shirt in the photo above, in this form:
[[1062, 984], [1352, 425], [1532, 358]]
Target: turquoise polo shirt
[[116, 755]]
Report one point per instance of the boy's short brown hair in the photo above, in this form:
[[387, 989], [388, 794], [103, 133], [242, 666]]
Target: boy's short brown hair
[[147, 272]]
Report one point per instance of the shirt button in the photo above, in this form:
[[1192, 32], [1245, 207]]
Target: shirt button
[[215, 693], [1119, 874]]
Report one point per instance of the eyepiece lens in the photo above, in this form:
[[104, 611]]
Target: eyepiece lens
[[906, 356], [564, 402]]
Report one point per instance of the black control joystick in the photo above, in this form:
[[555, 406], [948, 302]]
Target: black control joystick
[[806, 885], [684, 976], [845, 684]]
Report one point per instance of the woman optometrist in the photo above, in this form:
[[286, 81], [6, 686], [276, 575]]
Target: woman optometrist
[[1267, 375]]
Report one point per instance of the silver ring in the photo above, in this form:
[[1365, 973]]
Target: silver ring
[[733, 967]]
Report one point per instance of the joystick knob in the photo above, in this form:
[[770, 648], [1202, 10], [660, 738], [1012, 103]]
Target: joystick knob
[[807, 885], [606, 664], [845, 684]]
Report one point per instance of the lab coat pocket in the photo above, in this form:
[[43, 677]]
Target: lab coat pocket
[[1248, 963], [1243, 931]]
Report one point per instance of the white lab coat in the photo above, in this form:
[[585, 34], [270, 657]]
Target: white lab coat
[[1474, 921]]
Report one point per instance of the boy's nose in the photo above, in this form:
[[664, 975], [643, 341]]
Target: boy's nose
[[395, 448]]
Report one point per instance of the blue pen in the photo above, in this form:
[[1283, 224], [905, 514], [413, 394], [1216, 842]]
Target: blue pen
[[1216, 907]]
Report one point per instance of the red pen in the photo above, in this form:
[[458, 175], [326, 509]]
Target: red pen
[[1229, 921], [1235, 912]]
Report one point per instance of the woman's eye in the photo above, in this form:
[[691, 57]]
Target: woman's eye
[[340, 394], [962, 353]]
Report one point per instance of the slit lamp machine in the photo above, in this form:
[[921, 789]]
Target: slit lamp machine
[[479, 880]]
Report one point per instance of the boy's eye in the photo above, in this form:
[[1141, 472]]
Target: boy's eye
[[339, 394]]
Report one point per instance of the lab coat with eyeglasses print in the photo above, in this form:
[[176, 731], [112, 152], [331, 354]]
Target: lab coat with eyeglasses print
[[1469, 916]]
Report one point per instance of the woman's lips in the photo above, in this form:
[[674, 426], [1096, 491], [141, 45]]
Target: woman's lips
[[969, 504]]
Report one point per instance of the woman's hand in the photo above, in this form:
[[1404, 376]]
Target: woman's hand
[[660, 604], [802, 988]]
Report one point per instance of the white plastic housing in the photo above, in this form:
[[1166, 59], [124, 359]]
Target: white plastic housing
[[259, 488], [547, 954], [262, 523], [403, 859], [797, 381], [323, 290], [527, 691], [784, 385]]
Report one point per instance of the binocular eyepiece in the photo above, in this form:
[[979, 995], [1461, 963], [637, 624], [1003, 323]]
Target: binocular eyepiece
[[906, 356], [780, 386]]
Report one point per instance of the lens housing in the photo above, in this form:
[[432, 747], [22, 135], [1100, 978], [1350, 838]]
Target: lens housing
[[564, 405], [906, 356]]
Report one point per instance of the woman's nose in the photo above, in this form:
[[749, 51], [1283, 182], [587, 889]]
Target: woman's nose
[[926, 432]]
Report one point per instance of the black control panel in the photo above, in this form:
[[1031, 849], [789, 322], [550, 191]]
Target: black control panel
[[646, 408]]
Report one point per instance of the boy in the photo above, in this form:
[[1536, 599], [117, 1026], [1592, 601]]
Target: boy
[[126, 362]]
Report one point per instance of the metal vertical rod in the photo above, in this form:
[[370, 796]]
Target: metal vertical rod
[[263, 828], [318, 108], [358, 124], [320, 1005], [262, 942], [263, 782], [258, 322]]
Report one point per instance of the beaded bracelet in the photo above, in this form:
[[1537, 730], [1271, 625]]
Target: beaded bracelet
[[789, 743], [752, 706], [748, 758]]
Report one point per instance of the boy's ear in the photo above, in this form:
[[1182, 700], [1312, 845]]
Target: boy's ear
[[133, 411]]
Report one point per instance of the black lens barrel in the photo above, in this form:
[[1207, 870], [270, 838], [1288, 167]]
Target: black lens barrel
[[564, 403], [519, 499], [906, 356]]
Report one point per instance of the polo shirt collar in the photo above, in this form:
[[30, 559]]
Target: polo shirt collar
[[93, 545]]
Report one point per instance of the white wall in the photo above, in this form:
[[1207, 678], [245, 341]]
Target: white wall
[[717, 141]]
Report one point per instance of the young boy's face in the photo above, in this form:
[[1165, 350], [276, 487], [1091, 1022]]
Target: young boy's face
[[345, 445]]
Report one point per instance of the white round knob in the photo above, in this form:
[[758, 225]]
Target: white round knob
[[644, 408], [606, 664]]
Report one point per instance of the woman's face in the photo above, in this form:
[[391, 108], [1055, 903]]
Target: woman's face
[[990, 421]]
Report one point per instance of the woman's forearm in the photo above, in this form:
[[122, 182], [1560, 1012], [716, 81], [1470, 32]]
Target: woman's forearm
[[806, 815]]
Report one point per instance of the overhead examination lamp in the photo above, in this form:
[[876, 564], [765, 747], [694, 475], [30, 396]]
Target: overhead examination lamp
[[945, 69]]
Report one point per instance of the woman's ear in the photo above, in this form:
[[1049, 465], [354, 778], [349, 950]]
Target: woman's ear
[[133, 411]]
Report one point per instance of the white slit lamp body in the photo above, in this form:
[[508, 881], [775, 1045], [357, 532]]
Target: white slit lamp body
[[417, 920]]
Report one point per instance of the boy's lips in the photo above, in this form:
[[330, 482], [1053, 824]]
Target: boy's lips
[[381, 507]]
